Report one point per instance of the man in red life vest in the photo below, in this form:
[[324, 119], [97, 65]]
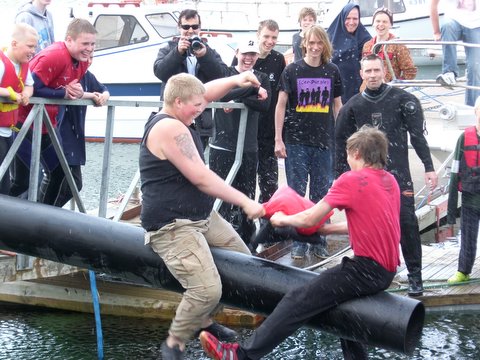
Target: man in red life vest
[[465, 177]]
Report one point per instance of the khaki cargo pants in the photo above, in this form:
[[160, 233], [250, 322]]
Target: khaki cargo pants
[[184, 246]]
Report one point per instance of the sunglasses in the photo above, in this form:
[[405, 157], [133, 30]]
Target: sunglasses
[[194, 27]]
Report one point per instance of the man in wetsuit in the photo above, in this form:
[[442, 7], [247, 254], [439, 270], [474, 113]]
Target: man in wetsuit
[[398, 114]]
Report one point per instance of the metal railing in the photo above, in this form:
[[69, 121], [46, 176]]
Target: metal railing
[[423, 83], [39, 116]]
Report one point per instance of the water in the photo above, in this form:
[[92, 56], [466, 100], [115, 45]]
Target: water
[[28, 333]]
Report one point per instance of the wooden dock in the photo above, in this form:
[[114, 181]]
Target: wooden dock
[[53, 285], [439, 262]]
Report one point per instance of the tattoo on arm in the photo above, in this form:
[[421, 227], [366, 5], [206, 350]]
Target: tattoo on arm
[[186, 145]]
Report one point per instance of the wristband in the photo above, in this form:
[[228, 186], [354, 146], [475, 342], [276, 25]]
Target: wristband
[[13, 94]]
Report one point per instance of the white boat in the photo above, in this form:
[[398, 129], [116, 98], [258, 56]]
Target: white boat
[[131, 32], [411, 20], [129, 36]]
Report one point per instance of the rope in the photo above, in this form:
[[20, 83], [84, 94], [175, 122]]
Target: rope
[[96, 310]]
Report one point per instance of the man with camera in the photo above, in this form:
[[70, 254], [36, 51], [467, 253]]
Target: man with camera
[[188, 53]]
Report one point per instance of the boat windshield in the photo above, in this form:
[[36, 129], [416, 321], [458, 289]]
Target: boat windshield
[[115, 30], [368, 7], [165, 24]]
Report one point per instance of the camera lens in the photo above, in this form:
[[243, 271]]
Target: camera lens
[[195, 44]]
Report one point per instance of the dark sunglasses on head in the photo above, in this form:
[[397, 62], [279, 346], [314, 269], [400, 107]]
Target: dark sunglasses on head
[[194, 27]]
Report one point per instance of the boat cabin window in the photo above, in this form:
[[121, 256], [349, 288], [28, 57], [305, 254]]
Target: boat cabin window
[[368, 7], [118, 30], [165, 24]]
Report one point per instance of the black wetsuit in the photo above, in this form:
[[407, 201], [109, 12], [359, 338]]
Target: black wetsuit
[[397, 113]]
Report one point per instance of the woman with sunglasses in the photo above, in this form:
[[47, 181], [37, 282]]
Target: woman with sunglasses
[[400, 65], [187, 53]]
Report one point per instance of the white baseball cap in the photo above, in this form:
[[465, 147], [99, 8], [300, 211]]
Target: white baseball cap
[[248, 46]]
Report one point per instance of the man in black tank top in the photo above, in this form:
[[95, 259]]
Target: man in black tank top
[[178, 193]]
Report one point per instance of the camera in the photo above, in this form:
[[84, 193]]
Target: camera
[[196, 43]]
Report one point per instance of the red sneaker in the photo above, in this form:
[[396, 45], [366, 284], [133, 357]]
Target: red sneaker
[[216, 349]]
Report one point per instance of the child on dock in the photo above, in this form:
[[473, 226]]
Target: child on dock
[[371, 199], [16, 84], [465, 177]]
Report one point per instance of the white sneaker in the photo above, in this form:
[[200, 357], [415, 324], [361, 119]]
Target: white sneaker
[[447, 79]]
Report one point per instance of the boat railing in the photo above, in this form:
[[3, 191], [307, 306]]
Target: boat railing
[[38, 116], [419, 42]]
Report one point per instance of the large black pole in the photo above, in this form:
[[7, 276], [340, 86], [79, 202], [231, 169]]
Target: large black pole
[[250, 283]]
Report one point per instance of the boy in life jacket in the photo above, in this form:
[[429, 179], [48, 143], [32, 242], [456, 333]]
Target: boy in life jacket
[[465, 177], [16, 85]]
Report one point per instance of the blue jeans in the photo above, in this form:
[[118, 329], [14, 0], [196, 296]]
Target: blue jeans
[[453, 31], [304, 162]]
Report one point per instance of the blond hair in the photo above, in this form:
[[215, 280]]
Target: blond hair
[[182, 86], [321, 34], [22, 32]]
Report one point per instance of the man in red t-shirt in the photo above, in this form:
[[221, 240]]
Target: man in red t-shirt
[[56, 71], [370, 197]]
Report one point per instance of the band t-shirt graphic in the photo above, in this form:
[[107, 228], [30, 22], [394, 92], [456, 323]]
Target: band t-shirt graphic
[[314, 95], [311, 92]]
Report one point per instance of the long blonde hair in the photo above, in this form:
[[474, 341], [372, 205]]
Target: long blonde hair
[[321, 34]]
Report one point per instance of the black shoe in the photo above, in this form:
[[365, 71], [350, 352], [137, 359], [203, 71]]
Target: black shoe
[[169, 353], [415, 285], [221, 332]]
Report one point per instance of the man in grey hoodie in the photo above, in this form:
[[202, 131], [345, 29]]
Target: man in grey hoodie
[[35, 14]]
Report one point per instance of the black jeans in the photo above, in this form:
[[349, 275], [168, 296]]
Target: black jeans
[[5, 144], [354, 277], [21, 165], [469, 230], [267, 169], [55, 189], [410, 235], [220, 162]]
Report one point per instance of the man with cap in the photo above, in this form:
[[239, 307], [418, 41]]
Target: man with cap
[[223, 144]]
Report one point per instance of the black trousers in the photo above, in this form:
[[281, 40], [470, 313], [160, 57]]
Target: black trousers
[[468, 247], [55, 189], [267, 171], [354, 277], [20, 171], [410, 240], [221, 162], [5, 144]]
